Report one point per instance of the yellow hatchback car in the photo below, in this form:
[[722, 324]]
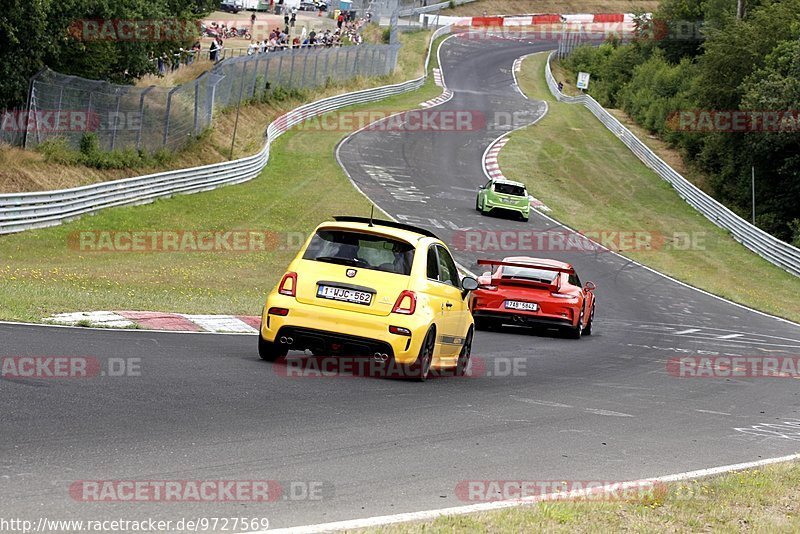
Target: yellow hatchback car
[[380, 290]]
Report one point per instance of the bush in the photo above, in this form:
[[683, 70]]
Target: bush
[[89, 154]]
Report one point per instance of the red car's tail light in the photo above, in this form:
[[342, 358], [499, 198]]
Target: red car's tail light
[[563, 296], [406, 303], [288, 285]]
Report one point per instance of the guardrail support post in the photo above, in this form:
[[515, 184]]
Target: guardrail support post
[[196, 106], [166, 116], [291, 69], [141, 116], [113, 130], [305, 63], [316, 68], [255, 77]]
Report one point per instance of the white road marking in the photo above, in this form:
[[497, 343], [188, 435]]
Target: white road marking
[[730, 336], [429, 515], [788, 430], [687, 331], [542, 403], [609, 413], [713, 412]]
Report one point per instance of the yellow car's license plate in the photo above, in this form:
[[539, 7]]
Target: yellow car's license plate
[[344, 295]]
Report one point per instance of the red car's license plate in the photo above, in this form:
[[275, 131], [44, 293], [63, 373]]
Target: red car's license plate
[[522, 306]]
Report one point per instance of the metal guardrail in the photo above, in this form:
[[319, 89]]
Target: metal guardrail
[[25, 211], [431, 8], [765, 245]]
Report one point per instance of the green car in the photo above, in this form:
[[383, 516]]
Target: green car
[[503, 196]]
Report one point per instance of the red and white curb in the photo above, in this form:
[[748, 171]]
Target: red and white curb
[[439, 100], [437, 77], [235, 324], [492, 167]]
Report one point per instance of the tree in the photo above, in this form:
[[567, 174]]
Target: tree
[[35, 33], [23, 29]]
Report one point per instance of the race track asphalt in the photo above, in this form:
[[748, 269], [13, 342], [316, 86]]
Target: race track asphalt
[[205, 407]]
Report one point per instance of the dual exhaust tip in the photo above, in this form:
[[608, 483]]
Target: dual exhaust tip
[[378, 356]]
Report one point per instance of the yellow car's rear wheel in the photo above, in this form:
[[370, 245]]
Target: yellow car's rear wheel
[[420, 369], [464, 355], [270, 351]]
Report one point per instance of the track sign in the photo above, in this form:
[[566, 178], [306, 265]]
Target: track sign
[[583, 80]]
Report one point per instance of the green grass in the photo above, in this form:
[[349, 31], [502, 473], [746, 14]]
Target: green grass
[[302, 185], [759, 500], [593, 183]]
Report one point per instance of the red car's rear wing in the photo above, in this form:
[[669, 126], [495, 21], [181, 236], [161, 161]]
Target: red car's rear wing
[[568, 270]]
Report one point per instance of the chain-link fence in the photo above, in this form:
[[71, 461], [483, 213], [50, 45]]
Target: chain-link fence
[[153, 118]]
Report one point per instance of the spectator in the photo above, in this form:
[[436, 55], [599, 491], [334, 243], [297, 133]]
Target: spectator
[[294, 17], [286, 17], [339, 21], [560, 86], [161, 67]]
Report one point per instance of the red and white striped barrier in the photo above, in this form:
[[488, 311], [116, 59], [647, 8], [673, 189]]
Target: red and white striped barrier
[[624, 20]]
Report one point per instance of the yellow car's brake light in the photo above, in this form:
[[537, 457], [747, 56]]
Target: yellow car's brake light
[[288, 285]]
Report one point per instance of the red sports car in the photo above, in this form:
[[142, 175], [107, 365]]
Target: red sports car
[[534, 292]]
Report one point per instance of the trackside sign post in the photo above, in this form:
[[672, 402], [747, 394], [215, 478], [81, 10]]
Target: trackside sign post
[[583, 80]]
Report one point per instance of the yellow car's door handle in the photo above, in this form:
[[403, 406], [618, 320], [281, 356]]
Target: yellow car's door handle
[[449, 304]]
